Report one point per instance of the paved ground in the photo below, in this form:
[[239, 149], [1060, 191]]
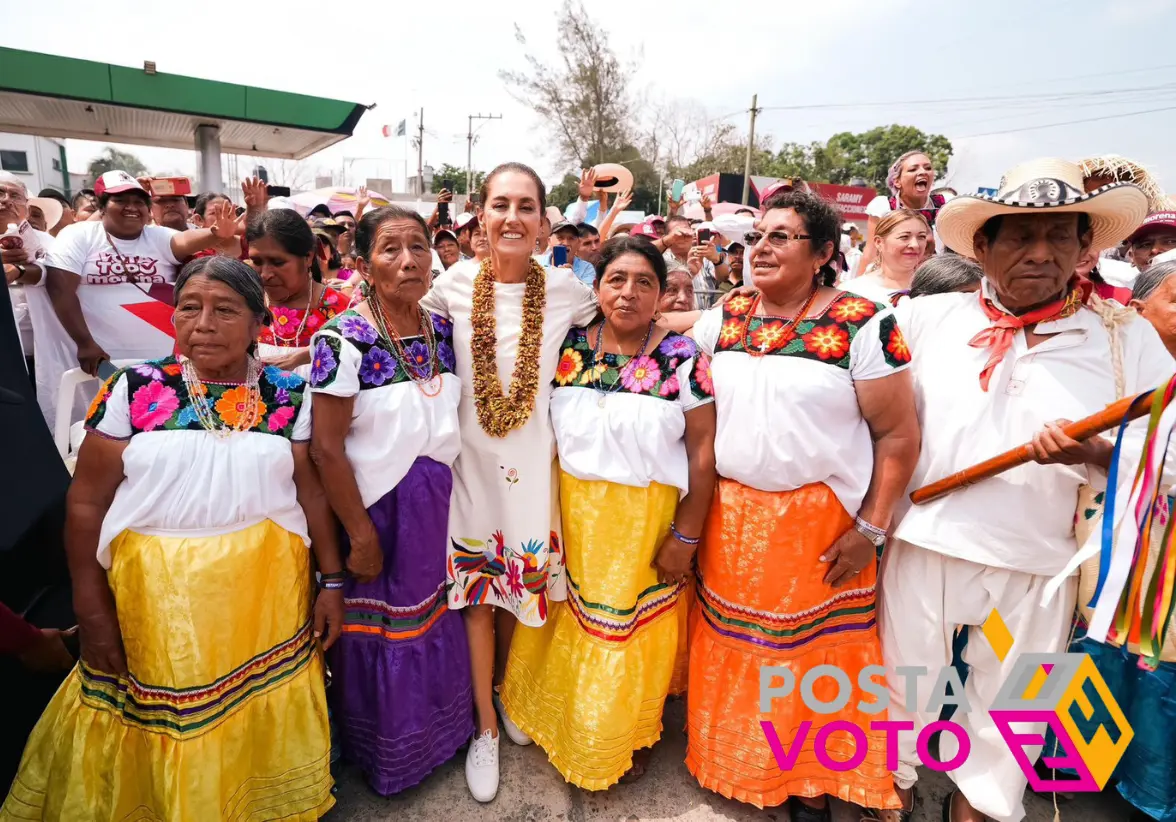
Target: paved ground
[[532, 791]]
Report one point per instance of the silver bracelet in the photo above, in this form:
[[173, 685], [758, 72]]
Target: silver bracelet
[[865, 526]]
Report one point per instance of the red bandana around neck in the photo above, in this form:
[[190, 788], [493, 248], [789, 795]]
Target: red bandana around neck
[[998, 337]]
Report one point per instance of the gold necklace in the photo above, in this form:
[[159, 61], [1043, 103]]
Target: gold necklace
[[498, 415]]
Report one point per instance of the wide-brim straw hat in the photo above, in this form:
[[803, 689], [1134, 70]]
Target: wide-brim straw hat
[[1049, 185], [1122, 170]]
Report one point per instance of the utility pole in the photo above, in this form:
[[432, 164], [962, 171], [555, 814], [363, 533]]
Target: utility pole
[[470, 149], [421, 154], [750, 148]]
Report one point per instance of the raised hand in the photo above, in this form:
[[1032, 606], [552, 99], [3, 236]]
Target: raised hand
[[587, 183], [255, 193]]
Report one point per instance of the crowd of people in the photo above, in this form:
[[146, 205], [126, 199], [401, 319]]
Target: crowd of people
[[525, 471]]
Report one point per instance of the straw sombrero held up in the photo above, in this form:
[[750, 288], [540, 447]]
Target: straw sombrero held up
[[1049, 185]]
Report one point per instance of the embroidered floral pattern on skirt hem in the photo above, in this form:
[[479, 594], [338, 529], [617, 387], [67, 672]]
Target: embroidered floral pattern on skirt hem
[[223, 714], [617, 625], [401, 694], [749, 615]]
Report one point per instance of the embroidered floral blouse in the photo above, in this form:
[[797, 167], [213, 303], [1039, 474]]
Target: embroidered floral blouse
[[284, 333], [623, 419], [395, 420], [787, 410], [180, 477]]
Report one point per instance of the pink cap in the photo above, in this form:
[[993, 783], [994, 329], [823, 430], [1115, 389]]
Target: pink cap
[[644, 229], [112, 182]]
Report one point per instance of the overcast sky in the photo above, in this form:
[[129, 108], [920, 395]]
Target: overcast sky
[[879, 57]]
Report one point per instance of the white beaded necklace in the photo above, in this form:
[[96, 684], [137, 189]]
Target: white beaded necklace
[[206, 415]]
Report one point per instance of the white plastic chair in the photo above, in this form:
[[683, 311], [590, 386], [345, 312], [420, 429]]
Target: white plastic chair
[[69, 437]]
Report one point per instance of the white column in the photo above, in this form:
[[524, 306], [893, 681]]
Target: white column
[[208, 146]]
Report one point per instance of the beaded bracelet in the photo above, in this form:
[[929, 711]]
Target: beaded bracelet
[[682, 539]]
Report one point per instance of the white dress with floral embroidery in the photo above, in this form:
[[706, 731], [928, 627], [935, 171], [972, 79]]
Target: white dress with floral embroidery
[[504, 532]]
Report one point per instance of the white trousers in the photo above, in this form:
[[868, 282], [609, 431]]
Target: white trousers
[[923, 596]]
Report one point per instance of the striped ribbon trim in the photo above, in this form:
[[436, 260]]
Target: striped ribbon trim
[[187, 712], [392, 622], [619, 624], [846, 612]]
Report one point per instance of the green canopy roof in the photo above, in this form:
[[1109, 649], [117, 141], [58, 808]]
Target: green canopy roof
[[64, 97]]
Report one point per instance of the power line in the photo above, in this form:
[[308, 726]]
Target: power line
[[991, 99], [1068, 122]]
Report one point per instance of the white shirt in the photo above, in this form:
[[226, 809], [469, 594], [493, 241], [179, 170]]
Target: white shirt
[[869, 286], [1023, 519], [124, 293], [392, 422], [787, 420], [1117, 272], [635, 434], [179, 481], [36, 245]]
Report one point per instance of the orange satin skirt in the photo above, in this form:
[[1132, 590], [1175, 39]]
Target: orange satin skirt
[[761, 601]]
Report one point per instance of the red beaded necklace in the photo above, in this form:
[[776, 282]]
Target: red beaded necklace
[[765, 348]]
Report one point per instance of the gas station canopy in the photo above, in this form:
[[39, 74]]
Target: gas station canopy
[[56, 96]]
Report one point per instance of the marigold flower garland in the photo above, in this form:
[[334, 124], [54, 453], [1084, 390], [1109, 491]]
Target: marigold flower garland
[[498, 414]]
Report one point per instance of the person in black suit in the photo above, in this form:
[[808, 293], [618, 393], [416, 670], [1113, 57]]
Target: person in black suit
[[34, 579]]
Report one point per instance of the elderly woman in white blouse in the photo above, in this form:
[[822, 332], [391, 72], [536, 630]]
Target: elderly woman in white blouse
[[634, 423]]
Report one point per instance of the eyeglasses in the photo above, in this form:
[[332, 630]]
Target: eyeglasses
[[777, 239]]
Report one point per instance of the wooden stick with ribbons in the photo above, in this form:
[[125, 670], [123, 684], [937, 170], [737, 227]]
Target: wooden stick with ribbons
[[1110, 417]]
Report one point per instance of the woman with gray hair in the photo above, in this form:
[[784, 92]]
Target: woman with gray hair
[[945, 273], [188, 526], [1154, 296]]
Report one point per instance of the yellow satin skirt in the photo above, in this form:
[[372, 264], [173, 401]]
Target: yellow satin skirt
[[223, 714], [590, 684]]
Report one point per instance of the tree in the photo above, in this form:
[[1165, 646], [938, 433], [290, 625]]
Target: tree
[[297, 175], [584, 104], [869, 155], [458, 175], [115, 160]]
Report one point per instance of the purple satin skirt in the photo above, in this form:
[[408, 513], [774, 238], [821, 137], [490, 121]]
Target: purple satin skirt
[[401, 690]]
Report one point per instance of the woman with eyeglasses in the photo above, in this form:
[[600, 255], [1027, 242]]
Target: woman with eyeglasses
[[816, 440]]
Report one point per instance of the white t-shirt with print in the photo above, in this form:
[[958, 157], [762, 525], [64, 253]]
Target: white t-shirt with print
[[125, 295]]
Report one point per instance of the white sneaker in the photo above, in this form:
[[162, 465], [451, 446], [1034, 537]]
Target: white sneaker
[[512, 730], [481, 767]]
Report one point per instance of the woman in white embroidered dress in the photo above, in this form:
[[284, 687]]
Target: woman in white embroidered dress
[[510, 317]]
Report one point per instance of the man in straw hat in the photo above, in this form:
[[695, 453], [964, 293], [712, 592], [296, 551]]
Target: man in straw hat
[[994, 370]]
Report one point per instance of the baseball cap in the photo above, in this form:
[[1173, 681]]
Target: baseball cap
[[442, 233], [564, 225], [776, 188], [464, 219], [644, 229], [1158, 221], [113, 182]]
